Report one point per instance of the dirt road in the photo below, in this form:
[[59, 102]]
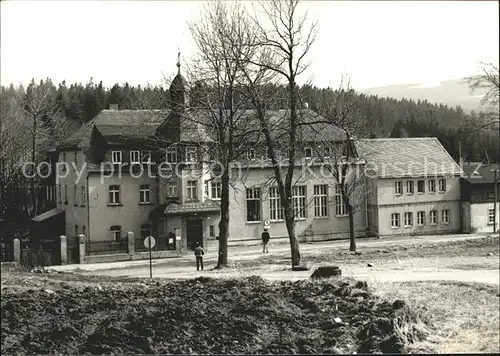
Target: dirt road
[[477, 268]]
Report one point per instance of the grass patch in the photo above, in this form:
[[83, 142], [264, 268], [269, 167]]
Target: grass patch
[[464, 315]]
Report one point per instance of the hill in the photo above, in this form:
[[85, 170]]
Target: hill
[[452, 93]]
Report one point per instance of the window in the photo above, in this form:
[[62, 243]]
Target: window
[[75, 203], [116, 232], [84, 198], [145, 230], [268, 153], [326, 152], [116, 156], [76, 230], [146, 156], [421, 187], [64, 160], [299, 201], [135, 157], [395, 222], [253, 204], [308, 152], [251, 153], [431, 186], [191, 154], [491, 216], [172, 189], [216, 190], [144, 194], [340, 206], [192, 190], [421, 218], [212, 231], [445, 216], [76, 159], [408, 219], [83, 229], [442, 185], [409, 187], [275, 210], [59, 193], [320, 200], [433, 217], [398, 188], [114, 194], [172, 155]]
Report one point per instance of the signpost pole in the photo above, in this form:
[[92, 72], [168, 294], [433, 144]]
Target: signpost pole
[[150, 263]]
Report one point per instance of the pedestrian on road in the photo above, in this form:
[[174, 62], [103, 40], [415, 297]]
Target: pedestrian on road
[[199, 252], [265, 240]]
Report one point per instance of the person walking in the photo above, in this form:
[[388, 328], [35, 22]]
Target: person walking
[[199, 252], [265, 240]]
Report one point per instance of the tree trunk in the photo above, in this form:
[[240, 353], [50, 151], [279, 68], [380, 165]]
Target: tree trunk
[[352, 239], [224, 220], [294, 242]]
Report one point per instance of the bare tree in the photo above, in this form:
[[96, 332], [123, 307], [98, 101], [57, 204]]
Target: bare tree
[[223, 37], [341, 161], [284, 39], [489, 82]]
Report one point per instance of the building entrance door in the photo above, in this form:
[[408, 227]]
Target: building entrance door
[[194, 232]]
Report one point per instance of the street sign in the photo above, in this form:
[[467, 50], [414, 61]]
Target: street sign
[[147, 240], [150, 242], [267, 223]]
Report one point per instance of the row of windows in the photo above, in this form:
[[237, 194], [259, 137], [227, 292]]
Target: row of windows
[[421, 218], [115, 194], [299, 201], [491, 216], [78, 193], [191, 154], [144, 156], [410, 186], [325, 152]]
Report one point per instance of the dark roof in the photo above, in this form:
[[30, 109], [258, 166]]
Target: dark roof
[[124, 126], [81, 137], [48, 214], [407, 157], [479, 173], [311, 125], [187, 208]]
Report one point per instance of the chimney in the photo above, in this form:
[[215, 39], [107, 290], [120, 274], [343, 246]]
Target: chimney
[[113, 107]]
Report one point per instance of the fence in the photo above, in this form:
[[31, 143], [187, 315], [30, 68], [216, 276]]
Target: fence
[[162, 244], [106, 247]]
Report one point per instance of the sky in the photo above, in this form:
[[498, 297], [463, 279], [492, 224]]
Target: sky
[[376, 43]]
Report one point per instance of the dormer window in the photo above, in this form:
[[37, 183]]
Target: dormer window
[[135, 157], [191, 155], [251, 153], [116, 157], [146, 156], [308, 152]]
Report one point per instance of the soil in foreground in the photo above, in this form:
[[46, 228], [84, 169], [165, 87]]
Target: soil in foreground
[[202, 316]]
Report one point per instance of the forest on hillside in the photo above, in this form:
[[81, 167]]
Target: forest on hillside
[[74, 104]]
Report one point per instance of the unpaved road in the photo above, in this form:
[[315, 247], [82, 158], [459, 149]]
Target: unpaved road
[[407, 269]]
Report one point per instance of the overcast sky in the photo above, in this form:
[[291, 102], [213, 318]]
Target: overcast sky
[[376, 43]]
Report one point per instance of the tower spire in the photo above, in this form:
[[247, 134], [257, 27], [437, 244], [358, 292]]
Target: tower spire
[[178, 61]]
